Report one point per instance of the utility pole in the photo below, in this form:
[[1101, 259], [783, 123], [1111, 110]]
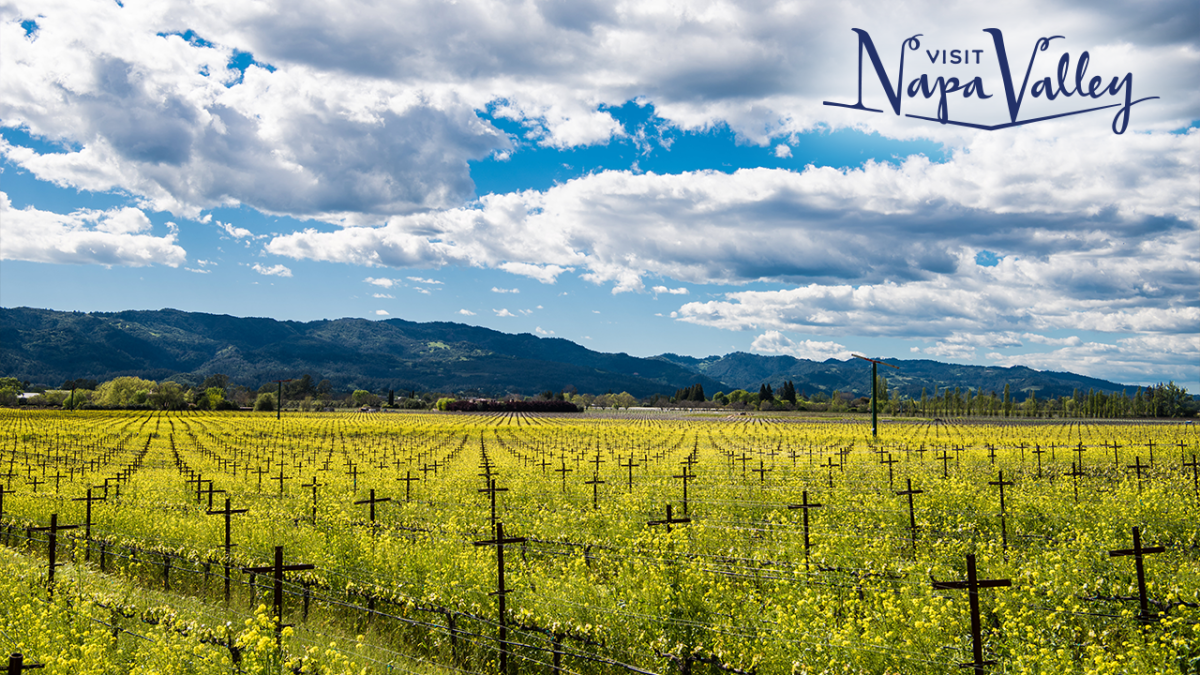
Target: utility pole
[[875, 392], [279, 403]]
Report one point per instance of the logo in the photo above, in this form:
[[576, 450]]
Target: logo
[[1057, 90]]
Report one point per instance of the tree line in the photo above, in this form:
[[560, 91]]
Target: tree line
[[306, 393], [1157, 401]]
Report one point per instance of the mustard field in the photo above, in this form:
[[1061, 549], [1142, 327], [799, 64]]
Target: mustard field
[[631, 543]]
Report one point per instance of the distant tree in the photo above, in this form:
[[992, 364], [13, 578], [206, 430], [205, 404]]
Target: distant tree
[[167, 396], [80, 383], [124, 392], [391, 398], [624, 400], [765, 393], [265, 402], [215, 380], [362, 397], [324, 389], [788, 392]]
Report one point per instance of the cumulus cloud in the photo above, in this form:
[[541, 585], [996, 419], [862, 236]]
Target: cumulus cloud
[[503, 312], [671, 291], [382, 296], [496, 289], [381, 312], [330, 121], [1028, 199], [776, 343], [541, 331], [384, 282], [237, 232], [419, 280], [273, 271], [547, 274], [1143, 359], [119, 237], [466, 312]]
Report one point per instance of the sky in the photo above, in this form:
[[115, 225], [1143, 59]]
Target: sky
[[1013, 183]]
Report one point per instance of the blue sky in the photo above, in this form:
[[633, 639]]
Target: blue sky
[[640, 177]]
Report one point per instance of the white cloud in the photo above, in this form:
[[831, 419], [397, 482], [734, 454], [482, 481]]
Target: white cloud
[[783, 151], [776, 343], [383, 283], [237, 232], [198, 271], [505, 290], [1145, 359], [347, 129], [541, 331], [419, 280], [117, 237], [274, 270], [503, 312], [381, 312], [1030, 199], [382, 296], [466, 312], [547, 274], [422, 291], [672, 291]]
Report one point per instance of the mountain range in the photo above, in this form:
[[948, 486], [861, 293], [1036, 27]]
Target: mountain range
[[49, 347]]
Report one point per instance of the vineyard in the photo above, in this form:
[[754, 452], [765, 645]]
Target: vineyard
[[655, 544]]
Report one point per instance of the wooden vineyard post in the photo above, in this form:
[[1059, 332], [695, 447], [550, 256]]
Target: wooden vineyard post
[[1076, 473], [595, 482], [891, 476], [277, 571], [686, 475], [198, 479], [831, 466], [945, 464], [972, 586], [281, 478], [1003, 512], [372, 501], [912, 514], [211, 492], [629, 465], [1137, 552], [17, 665], [1037, 450], [2, 493], [502, 630], [805, 506], [227, 512], [408, 480], [669, 520], [491, 489], [762, 472], [314, 485], [52, 541], [563, 472], [1138, 466], [1193, 465]]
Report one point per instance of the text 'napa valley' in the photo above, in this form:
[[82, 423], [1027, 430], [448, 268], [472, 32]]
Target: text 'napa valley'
[[1065, 84]]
